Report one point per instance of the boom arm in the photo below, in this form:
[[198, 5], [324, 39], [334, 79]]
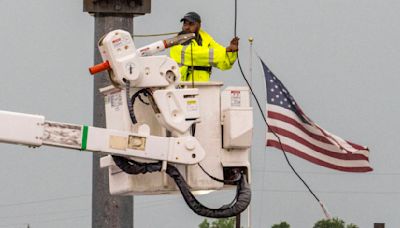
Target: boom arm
[[34, 131]]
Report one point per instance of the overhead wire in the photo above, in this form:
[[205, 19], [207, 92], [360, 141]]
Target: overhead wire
[[274, 133], [43, 201], [45, 221], [45, 213]]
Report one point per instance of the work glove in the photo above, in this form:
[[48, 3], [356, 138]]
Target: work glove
[[234, 45]]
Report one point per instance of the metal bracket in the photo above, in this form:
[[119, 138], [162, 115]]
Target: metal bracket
[[139, 7]]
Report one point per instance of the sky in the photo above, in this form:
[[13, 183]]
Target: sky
[[338, 59]]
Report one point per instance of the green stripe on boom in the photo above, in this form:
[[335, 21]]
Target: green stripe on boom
[[84, 137]]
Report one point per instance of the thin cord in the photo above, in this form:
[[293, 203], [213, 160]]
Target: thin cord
[[157, 34], [265, 120], [191, 55], [234, 30]]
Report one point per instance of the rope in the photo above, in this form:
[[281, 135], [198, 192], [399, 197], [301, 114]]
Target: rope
[[157, 34], [274, 133]]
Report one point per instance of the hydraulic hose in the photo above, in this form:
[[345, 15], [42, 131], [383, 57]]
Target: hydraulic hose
[[240, 203]]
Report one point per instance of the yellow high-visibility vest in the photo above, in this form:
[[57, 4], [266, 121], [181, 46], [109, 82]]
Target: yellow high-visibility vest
[[209, 54]]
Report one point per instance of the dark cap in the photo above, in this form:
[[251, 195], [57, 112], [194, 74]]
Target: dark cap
[[192, 17]]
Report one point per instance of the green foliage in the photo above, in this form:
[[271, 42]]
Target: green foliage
[[204, 224], [351, 225], [333, 223], [281, 225], [224, 223], [330, 223], [219, 223]]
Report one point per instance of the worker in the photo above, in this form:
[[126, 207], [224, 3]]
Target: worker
[[198, 56]]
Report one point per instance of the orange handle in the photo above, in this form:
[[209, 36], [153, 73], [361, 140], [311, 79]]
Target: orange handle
[[99, 67]]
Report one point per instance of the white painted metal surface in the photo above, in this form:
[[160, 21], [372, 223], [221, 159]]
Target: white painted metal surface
[[118, 49], [234, 97], [179, 109], [20, 128], [209, 134], [238, 127], [182, 150]]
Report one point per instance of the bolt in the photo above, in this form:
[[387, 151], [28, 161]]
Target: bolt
[[132, 4]]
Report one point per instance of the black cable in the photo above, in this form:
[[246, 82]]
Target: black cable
[[265, 120], [234, 30], [191, 55], [232, 182], [193, 127], [238, 205]]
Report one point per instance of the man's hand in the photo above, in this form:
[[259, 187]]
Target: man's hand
[[234, 45]]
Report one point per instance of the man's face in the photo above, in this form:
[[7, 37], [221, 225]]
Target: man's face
[[190, 27]]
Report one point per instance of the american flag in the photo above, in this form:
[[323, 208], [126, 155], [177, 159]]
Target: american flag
[[299, 135]]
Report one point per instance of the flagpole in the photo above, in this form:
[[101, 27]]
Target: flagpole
[[251, 39]]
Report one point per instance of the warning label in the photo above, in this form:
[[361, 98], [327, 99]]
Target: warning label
[[235, 98], [192, 105], [116, 101]]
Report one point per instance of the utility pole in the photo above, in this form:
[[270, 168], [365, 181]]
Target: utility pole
[[109, 211]]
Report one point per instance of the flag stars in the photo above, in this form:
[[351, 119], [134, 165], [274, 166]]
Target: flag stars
[[277, 93]]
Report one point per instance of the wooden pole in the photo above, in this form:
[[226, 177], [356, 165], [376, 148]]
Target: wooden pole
[[107, 211]]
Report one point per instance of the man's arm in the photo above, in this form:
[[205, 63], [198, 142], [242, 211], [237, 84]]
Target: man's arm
[[229, 56]]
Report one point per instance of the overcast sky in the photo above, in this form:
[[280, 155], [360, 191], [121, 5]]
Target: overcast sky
[[338, 59]]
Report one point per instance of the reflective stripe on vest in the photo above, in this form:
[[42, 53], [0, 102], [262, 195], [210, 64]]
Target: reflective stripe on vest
[[183, 55]]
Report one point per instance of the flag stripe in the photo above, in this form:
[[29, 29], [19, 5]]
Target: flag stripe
[[328, 146], [315, 160], [299, 132], [311, 129], [325, 158], [292, 115], [285, 116], [278, 116], [317, 149], [356, 146]]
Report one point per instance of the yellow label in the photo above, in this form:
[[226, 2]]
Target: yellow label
[[136, 142], [118, 142]]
